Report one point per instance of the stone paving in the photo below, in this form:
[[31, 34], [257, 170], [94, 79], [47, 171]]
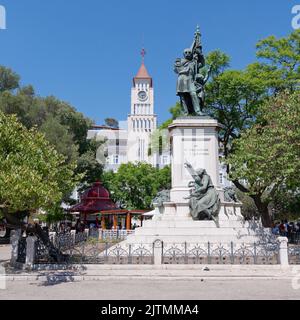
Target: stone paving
[[4, 252], [152, 290]]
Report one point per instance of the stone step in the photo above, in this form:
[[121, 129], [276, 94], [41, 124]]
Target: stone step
[[195, 224], [189, 231], [192, 239]]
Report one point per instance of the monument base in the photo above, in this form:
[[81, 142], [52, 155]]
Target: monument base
[[176, 225], [195, 140]]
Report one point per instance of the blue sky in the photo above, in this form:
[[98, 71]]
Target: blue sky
[[87, 52]]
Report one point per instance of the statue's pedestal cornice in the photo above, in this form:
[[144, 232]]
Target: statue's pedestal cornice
[[195, 122]]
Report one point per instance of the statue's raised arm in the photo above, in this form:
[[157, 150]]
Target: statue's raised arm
[[190, 169]]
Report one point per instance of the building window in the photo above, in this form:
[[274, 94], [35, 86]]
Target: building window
[[165, 160], [116, 159]]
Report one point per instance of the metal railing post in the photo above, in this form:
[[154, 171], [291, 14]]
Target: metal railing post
[[185, 253], [232, 258], [129, 255], [158, 252], [283, 251], [255, 253]]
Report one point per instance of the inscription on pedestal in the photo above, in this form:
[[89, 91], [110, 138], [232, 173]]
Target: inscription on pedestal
[[195, 147], [197, 143]]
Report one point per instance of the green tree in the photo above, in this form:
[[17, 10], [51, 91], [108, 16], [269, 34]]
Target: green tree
[[9, 80], [89, 166], [267, 155], [33, 174], [233, 98], [280, 66], [60, 137], [134, 186]]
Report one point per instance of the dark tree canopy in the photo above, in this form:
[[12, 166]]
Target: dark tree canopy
[[135, 185], [9, 80], [112, 123]]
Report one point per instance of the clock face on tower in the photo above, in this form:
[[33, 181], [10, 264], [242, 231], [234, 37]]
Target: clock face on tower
[[142, 95]]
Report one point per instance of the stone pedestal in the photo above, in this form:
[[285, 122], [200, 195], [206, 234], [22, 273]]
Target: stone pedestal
[[194, 140], [30, 251], [14, 241], [157, 250], [283, 251]]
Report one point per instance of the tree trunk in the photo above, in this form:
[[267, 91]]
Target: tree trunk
[[16, 221], [263, 209]]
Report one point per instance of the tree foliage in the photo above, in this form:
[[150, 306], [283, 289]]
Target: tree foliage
[[233, 97], [134, 186], [33, 174], [280, 66], [9, 80], [267, 154]]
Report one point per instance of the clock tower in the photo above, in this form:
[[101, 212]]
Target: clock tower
[[141, 121]]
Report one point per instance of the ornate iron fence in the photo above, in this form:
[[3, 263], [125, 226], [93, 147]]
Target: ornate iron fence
[[41, 253], [294, 238], [110, 253], [294, 254], [66, 240], [80, 249], [212, 253]]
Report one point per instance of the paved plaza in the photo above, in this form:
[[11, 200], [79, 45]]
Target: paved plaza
[[153, 290], [5, 252]]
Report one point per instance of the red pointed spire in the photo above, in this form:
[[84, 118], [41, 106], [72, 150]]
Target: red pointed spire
[[143, 72]]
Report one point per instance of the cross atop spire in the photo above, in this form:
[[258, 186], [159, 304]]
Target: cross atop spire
[[143, 54], [143, 73]]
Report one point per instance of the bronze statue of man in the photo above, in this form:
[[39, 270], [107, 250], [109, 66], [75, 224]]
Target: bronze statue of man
[[191, 81], [186, 89]]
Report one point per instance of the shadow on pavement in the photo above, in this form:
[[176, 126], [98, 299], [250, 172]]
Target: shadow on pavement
[[55, 278]]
